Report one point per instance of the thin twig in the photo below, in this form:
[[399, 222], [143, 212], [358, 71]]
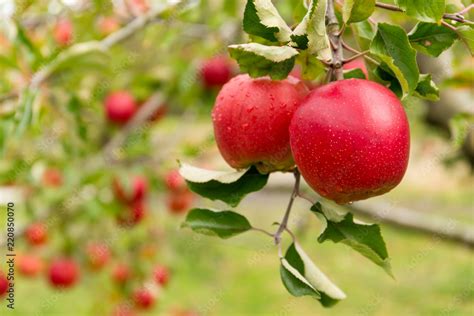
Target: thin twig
[[347, 60], [353, 50], [263, 231], [294, 194], [458, 17]]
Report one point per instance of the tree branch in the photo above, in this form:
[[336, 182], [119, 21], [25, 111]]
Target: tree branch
[[458, 17], [335, 34]]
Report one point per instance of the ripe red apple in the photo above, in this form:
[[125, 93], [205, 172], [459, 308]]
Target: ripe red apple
[[63, 32], [351, 140], [161, 275], [63, 272], [357, 63], [52, 177], [120, 106], [216, 71], [108, 24], [143, 298], [140, 188], [29, 265], [137, 192], [121, 273], [98, 255], [3, 284], [175, 182], [36, 234], [251, 119], [180, 202], [132, 215]]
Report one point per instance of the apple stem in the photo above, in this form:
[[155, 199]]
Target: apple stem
[[284, 222], [335, 33]]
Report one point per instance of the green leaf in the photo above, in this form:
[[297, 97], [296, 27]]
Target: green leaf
[[261, 18], [357, 10], [74, 106], [364, 238], [301, 277], [224, 224], [25, 114], [467, 36], [259, 60], [391, 45], [311, 32], [425, 11], [311, 67], [354, 73], [364, 33], [388, 79], [227, 186], [426, 88], [431, 39], [33, 54]]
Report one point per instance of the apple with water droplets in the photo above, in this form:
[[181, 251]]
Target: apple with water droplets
[[350, 140], [251, 119]]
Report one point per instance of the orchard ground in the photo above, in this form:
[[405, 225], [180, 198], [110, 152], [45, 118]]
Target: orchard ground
[[432, 277]]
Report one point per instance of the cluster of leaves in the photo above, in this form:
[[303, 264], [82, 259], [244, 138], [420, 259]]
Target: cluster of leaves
[[277, 47], [299, 274]]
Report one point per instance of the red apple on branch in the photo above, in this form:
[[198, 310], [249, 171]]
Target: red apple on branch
[[63, 272], [251, 119], [351, 140]]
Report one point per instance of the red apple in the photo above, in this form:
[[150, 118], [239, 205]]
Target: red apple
[[180, 202], [161, 275], [52, 177], [121, 273], [351, 140], [98, 255], [36, 234], [138, 7], [29, 265], [3, 284], [63, 272], [216, 71], [139, 188], [137, 193], [175, 182], [143, 298], [120, 106], [63, 32], [108, 24], [357, 63], [251, 119]]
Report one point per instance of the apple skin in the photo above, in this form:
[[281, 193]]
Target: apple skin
[[120, 106], [180, 202], [143, 298], [216, 71], [175, 182], [121, 273], [3, 284], [63, 32], [161, 275], [98, 255], [357, 63], [351, 140], [52, 178], [29, 265], [63, 272], [251, 119], [36, 234]]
